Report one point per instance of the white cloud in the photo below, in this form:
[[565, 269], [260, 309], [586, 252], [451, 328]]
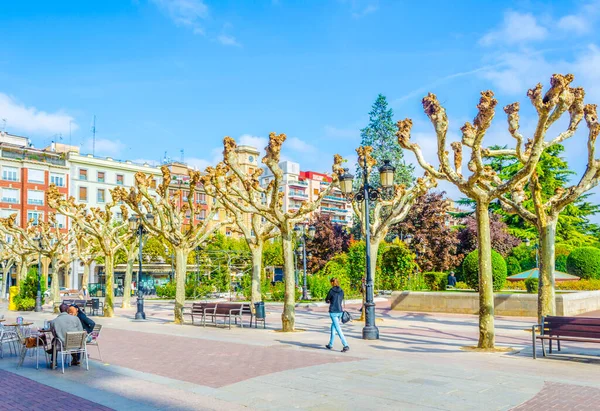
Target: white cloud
[[228, 40], [23, 119], [361, 8], [517, 28], [185, 13], [253, 141], [104, 147], [299, 146], [574, 23]]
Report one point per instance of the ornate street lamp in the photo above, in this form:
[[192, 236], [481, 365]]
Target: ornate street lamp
[[38, 296], [304, 235], [135, 225], [367, 193]]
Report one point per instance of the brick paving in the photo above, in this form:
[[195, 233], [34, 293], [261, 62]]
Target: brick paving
[[202, 361], [563, 397], [20, 393]]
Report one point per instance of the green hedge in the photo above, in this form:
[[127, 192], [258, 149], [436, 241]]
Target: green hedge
[[584, 262], [470, 267], [436, 281], [531, 284], [513, 266], [319, 286]]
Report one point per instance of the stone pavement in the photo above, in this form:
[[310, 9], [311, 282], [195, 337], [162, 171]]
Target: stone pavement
[[418, 363]]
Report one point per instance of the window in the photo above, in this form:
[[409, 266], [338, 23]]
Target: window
[[35, 216], [36, 176], [101, 176], [9, 239], [57, 179], [119, 216], [200, 198], [82, 193], [101, 195], [82, 174], [202, 214], [228, 232], [185, 195], [120, 179], [61, 220], [8, 212], [10, 195], [10, 173], [35, 197]]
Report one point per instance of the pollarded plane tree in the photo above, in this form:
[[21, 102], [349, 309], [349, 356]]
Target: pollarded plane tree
[[176, 224], [7, 261], [483, 185], [545, 212], [42, 239], [102, 226], [252, 198], [255, 229], [14, 250], [86, 248]]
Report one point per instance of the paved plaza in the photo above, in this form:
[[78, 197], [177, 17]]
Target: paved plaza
[[419, 363]]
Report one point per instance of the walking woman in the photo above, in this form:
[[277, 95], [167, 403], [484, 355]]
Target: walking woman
[[335, 296]]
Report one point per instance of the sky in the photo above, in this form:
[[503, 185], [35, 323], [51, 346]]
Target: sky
[[170, 75]]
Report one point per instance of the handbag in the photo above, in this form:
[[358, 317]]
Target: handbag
[[346, 317]]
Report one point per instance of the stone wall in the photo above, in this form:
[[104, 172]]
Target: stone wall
[[522, 305]]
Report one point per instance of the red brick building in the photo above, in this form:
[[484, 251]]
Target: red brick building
[[25, 175]]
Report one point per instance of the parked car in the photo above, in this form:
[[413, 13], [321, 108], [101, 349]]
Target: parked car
[[61, 291]]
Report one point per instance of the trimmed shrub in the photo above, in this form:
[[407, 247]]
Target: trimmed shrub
[[397, 264], [436, 281], [531, 284], [584, 262], [560, 263], [470, 267], [581, 285], [513, 266], [515, 285], [278, 292], [166, 291], [319, 286], [24, 303], [461, 286]]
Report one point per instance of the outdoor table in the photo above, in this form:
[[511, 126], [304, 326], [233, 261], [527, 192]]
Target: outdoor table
[[18, 325]]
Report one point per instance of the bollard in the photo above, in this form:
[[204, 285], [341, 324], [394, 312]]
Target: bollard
[[12, 293]]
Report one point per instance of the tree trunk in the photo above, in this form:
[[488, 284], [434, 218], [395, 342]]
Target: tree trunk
[[486, 281], [256, 273], [6, 267], [55, 286], [546, 299], [374, 242], [45, 270], [128, 277], [181, 256], [109, 294], [288, 317], [86, 274], [22, 273]]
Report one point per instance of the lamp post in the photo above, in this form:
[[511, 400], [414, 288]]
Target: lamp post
[[368, 193], [135, 225], [38, 296], [304, 235], [536, 248]]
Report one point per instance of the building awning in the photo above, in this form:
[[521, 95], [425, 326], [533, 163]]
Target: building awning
[[534, 273]]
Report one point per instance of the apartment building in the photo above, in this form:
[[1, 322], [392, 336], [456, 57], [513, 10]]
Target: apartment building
[[300, 186], [25, 174]]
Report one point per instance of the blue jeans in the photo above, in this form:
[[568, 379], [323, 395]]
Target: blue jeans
[[335, 327]]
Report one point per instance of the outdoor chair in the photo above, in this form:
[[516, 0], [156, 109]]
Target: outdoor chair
[[38, 343], [8, 337], [95, 335], [74, 344]]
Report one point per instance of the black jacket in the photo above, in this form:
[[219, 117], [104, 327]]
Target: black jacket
[[335, 296], [86, 322]]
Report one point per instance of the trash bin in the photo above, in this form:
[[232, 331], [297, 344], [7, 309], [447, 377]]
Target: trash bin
[[95, 306], [12, 293], [259, 314]]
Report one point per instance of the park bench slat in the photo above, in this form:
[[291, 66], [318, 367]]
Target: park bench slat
[[576, 329]]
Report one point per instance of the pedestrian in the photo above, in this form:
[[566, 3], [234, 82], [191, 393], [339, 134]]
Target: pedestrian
[[451, 280], [335, 296]]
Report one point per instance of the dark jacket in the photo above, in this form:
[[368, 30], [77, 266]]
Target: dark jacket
[[86, 322], [335, 296]]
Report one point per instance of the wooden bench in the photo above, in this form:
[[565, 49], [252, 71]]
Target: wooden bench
[[197, 309], [576, 329], [79, 303], [224, 310]]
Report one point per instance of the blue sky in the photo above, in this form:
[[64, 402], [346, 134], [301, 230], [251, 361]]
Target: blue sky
[[166, 75]]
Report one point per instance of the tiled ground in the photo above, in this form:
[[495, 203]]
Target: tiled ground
[[19, 393], [563, 397]]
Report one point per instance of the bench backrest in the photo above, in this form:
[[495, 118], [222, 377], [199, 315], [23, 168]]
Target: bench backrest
[[247, 309], [584, 327], [225, 308], [200, 307]]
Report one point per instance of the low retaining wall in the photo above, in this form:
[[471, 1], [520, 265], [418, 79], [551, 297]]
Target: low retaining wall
[[521, 305]]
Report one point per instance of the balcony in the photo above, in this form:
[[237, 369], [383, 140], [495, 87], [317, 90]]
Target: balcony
[[10, 200], [297, 183], [25, 154], [334, 198], [334, 209], [338, 221], [296, 194], [32, 201]]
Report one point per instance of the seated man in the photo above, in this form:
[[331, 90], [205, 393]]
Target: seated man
[[64, 323], [451, 280]]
